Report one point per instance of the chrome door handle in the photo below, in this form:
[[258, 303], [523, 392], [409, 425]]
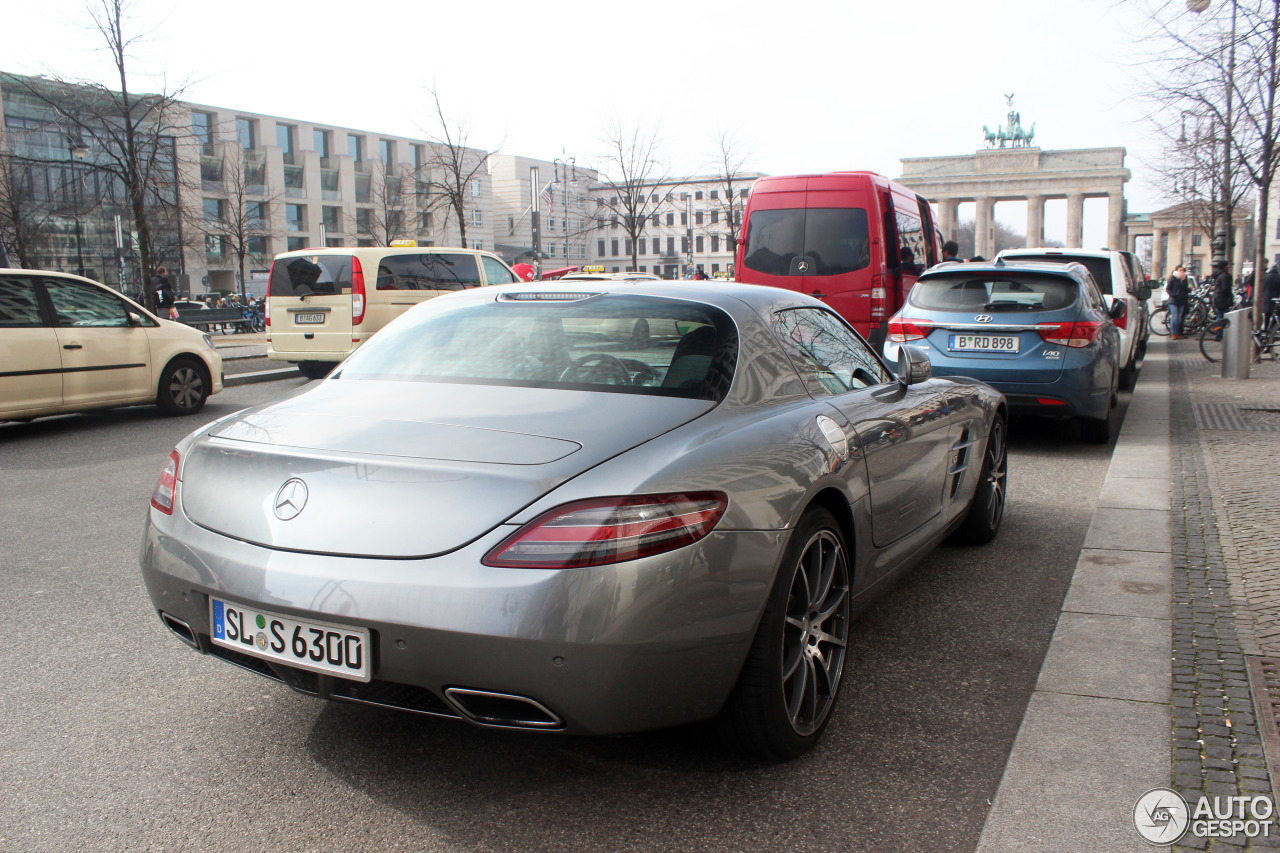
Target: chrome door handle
[[72, 346]]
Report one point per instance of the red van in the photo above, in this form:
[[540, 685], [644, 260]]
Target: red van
[[855, 240]]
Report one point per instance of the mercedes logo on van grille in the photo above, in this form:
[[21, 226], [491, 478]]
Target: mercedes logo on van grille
[[983, 318], [803, 266], [290, 500]]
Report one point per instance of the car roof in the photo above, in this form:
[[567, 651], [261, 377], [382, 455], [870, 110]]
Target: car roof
[[1058, 250], [733, 297], [1071, 269], [610, 276]]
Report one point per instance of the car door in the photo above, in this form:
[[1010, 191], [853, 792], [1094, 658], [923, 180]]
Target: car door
[[30, 360], [104, 357], [902, 431]]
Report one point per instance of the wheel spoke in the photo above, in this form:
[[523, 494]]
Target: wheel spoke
[[831, 606], [789, 668], [822, 681], [824, 637], [798, 688]]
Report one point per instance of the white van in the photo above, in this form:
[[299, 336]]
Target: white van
[[323, 303]]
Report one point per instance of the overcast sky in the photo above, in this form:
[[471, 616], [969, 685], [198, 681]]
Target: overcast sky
[[804, 85]]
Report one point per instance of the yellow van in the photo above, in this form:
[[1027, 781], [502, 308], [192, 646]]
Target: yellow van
[[323, 303]]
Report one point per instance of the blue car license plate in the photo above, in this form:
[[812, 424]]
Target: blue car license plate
[[983, 343], [306, 644]]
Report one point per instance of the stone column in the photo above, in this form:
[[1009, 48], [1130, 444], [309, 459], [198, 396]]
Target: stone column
[[982, 243], [1075, 220], [1157, 254], [1238, 256], [948, 209], [1115, 220], [1035, 221]]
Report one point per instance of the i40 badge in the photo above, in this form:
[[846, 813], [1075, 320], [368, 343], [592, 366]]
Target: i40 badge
[[1052, 353]]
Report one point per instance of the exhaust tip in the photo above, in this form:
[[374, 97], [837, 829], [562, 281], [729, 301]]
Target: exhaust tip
[[502, 710], [182, 629]]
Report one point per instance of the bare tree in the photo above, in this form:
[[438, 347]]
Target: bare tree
[[630, 174], [390, 190], [732, 176], [451, 167]]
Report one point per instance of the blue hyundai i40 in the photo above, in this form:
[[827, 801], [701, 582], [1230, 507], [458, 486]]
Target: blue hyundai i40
[[1039, 332]]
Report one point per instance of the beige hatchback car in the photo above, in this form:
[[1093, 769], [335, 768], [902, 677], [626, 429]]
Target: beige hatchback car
[[68, 344]]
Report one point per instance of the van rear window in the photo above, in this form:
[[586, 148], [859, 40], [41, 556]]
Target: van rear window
[[307, 275], [808, 241], [428, 271], [994, 295], [1099, 268]]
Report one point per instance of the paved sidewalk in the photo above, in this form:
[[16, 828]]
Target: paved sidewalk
[[1176, 594]]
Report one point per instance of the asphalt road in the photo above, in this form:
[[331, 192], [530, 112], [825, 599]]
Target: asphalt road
[[116, 736]]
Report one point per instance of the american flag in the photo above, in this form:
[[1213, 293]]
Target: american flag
[[545, 197]]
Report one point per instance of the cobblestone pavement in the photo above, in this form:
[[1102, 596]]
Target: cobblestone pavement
[[1226, 562]]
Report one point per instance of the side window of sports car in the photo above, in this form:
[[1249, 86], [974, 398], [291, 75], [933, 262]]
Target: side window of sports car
[[829, 357]]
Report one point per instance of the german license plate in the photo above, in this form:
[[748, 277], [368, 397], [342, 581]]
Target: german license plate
[[318, 646], [983, 343], [316, 317]]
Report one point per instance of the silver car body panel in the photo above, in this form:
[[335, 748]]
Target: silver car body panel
[[641, 644]]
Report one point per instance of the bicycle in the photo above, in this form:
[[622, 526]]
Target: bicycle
[[1194, 318], [1266, 341]]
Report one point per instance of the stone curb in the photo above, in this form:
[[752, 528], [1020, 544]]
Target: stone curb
[[259, 376]]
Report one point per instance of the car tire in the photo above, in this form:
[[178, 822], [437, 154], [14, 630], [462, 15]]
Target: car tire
[[640, 334], [791, 679], [1129, 373], [183, 388], [315, 369], [986, 509], [1098, 430]]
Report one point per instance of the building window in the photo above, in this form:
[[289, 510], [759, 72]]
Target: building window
[[245, 133], [715, 217], [715, 268], [364, 220], [256, 245], [642, 248], [418, 157], [684, 218], [212, 210], [600, 248], [684, 245], [330, 217], [384, 151], [671, 219], [426, 219], [295, 217], [295, 243], [284, 138], [551, 223], [697, 218], [255, 214], [715, 194], [613, 222], [476, 189], [322, 140], [627, 251], [655, 220], [697, 196], [671, 246], [477, 218], [1195, 239], [355, 147], [202, 126], [613, 248], [715, 242], [697, 244], [477, 245], [742, 193]]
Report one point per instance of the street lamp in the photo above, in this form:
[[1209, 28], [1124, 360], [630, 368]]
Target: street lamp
[[568, 168], [78, 151], [1222, 240]]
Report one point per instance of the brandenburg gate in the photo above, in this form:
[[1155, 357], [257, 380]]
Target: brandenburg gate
[[1017, 173]]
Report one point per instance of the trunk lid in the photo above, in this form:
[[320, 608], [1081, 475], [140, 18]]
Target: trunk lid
[[407, 469]]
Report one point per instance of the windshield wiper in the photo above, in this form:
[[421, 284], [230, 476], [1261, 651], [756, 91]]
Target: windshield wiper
[[992, 306]]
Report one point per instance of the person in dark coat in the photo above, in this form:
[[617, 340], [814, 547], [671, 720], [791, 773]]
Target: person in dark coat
[[1271, 290], [1224, 293], [164, 293], [1176, 290]]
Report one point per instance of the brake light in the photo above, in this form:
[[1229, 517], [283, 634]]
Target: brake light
[[357, 292], [601, 531], [901, 331], [1077, 335], [266, 299], [1123, 320], [162, 497]]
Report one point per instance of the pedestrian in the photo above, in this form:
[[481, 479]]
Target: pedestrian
[[164, 294], [977, 259], [950, 250], [1271, 290], [1177, 290], [1224, 294]]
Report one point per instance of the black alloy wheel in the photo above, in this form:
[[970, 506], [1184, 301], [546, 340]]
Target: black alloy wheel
[[986, 510], [183, 388], [791, 680]]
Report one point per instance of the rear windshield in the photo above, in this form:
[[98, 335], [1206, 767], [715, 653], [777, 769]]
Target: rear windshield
[[992, 294], [307, 275], [1100, 268], [609, 342], [428, 271], [808, 241]]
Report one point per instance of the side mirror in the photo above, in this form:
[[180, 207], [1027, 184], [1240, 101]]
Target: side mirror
[[913, 366], [1117, 309], [1144, 292], [134, 319]]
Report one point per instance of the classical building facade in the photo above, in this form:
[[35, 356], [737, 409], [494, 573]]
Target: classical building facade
[[1022, 174], [1183, 234]]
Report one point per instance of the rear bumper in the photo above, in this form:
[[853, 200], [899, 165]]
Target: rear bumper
[[1069, 396], [639, 645], [295, 356]]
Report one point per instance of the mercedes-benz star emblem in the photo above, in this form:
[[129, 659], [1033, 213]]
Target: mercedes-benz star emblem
[[290, 500], [803, 266], [983, 318]]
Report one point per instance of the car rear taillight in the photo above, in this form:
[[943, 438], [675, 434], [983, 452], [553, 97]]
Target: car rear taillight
[[1123, 320], [1078, 334], [901, 331], [162, 497], [601, 531], [878, 299], [357, 292], [266, 299]]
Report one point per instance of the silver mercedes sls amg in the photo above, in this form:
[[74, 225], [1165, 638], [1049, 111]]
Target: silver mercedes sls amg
[[510, 508]]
